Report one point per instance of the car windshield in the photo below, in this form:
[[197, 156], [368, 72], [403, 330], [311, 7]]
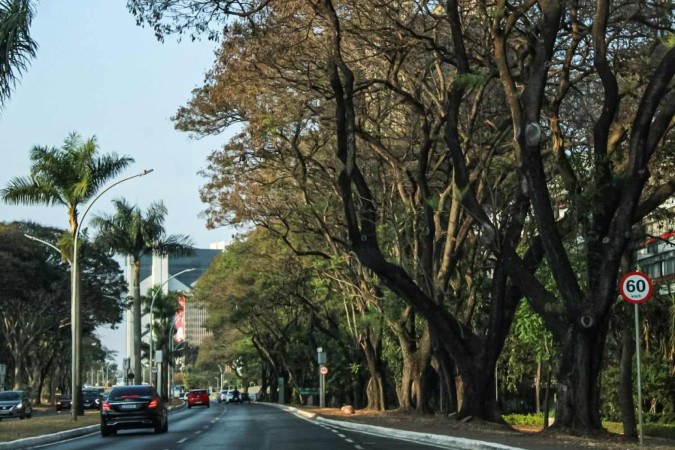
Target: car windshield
[[5, 396], [198, 392], [131, 393]]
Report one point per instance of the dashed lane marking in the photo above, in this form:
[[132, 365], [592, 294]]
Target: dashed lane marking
[[349, 440], [182, 440], [358, 446]]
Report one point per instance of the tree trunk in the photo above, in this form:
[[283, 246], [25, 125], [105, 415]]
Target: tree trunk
[[626, 383], [136, 325], [537, 387], [547, 406], [478, 399], [416, 357], [375, 386], [577, 408]]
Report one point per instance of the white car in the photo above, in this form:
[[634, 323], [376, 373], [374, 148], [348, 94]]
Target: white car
[[225, 396]]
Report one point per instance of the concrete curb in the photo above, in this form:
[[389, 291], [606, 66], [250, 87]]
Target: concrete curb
[[49, 438], [412, 436], [61, 435]]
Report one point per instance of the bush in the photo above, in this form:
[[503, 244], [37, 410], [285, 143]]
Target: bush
[[525, 419]]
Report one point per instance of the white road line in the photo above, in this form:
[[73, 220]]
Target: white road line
[[342, 435], [334, 431], [349, 440], [198, 432], [206, 427], [359, 447], [182, 440]]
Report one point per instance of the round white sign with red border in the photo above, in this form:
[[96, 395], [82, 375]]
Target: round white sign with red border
[[635, 287], [323, 370]]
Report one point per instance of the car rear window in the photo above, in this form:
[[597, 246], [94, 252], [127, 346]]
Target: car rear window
[[131, 392], [198, 392]]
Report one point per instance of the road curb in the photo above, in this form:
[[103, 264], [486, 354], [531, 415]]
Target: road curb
[[49, 438], [61, 435], [412, 436]]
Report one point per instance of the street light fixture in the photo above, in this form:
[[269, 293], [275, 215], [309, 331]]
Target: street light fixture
[[152, 304], [75, 305]]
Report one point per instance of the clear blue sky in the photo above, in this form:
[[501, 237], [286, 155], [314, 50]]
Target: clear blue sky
[[97, 73]]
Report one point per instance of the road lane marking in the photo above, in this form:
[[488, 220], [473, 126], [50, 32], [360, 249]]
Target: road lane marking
[[358, 446], [182, 440], [349, 440], [342, 435], [206, 427], [198, 432]]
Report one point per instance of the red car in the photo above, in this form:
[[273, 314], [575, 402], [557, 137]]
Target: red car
[[198, 397]]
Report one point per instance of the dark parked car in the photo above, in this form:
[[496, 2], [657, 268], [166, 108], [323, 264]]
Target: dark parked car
[[91, 398], [198, 397], [245, 397], [129, 407], [64, 402], [15, 404]]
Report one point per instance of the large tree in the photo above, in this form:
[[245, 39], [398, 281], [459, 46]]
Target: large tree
[[131, 232], [585, 132], [35, 303]]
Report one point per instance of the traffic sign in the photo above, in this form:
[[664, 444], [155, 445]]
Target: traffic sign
[[635, 287], [154, 370], [323, 370]]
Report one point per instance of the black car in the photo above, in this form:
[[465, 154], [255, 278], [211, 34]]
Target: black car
[[64, 402], [91, 398], [129, 407], [245, 397]]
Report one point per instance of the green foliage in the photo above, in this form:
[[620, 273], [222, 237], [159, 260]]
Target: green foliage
[[525, 419], [669, 40], [470, 80], [17, 47]]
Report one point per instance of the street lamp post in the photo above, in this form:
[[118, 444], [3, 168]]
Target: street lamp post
[[152, 304], [221, 376], [76, 332]]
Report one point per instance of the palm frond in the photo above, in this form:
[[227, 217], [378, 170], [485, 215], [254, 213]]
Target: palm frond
[[17, 47], [30, 191]]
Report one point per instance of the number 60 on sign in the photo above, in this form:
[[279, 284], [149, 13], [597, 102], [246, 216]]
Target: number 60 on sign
[[635, 287]]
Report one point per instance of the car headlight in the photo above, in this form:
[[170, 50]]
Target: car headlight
[[19, 406]]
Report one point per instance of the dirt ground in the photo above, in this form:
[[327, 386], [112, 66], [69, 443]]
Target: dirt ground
[[526, 438]]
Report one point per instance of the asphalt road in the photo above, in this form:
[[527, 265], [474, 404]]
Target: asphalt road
[[242, 427]]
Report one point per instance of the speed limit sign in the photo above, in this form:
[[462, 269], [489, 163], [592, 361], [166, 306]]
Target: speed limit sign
[[323, 370], [635, 287]]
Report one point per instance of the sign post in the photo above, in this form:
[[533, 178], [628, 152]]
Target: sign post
[[3, 372], [322, 396], [636, 288], [321, 359]]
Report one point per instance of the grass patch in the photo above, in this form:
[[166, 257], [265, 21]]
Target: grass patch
[[537, 420], [12, 429], [651, 429]]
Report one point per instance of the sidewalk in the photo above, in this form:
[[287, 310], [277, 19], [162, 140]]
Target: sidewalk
[[446, 432]]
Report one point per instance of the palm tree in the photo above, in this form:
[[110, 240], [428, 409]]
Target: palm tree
[[164, 309], [16, 46], [69, 176], [132, 233]]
